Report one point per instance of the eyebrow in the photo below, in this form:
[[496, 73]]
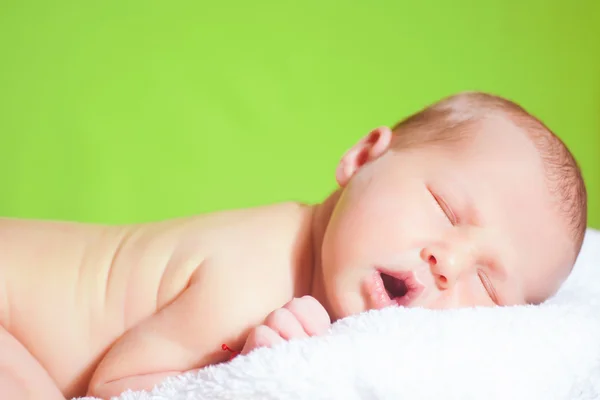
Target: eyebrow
[[466, 211], [472, 213]]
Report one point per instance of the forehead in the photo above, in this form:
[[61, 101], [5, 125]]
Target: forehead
[[501, 172]]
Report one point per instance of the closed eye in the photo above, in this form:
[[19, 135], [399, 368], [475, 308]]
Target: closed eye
[[489, 288], [445, 208]]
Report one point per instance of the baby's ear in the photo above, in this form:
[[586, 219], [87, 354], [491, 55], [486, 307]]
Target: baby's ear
[[368, 148]]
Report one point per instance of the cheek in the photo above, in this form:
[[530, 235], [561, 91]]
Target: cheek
[[372, 226], [470, 292]]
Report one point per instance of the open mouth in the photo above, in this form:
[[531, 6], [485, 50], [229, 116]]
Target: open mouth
[[388, 288], [395, 288]]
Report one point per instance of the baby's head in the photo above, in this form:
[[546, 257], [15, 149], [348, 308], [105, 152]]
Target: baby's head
[[470, 202]]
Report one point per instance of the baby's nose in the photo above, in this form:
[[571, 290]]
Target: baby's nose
[[445, 263]]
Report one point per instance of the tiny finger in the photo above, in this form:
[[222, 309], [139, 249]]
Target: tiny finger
[[311, 314], [261, 336], [285, 323]]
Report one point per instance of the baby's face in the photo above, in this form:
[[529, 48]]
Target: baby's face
[[440, 228]]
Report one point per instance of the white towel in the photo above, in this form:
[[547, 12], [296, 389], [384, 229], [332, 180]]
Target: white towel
[[545, 352]]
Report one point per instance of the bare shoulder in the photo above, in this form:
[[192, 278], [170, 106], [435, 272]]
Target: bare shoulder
[[258, 226], [218, 251], [258, 259], [263, 245]]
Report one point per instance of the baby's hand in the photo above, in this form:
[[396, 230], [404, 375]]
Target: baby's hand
[[301, 317]]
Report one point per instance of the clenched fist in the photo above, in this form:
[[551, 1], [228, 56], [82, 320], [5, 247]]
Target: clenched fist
[[299, 318]]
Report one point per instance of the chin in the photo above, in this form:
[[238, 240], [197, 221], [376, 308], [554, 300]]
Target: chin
[[344, 303]]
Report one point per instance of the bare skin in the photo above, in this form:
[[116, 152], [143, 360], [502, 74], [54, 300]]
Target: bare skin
[[164, 296], [88, 309]]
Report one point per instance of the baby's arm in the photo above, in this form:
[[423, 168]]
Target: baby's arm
[[149, 352], [185, 335], [21, 375]]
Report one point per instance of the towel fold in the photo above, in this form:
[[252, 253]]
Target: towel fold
[[551, 351]]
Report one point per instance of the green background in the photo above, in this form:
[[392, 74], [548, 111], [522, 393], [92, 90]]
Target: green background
[[125, 111]]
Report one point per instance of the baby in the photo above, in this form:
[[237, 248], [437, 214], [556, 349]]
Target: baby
[[469, 202]]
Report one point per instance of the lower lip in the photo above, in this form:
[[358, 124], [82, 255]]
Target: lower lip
[[379, 296]]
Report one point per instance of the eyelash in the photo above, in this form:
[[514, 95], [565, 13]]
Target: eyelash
[[444, 207], [489, 288]]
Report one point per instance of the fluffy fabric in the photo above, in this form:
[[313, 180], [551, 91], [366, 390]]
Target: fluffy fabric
[[551, 351]]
